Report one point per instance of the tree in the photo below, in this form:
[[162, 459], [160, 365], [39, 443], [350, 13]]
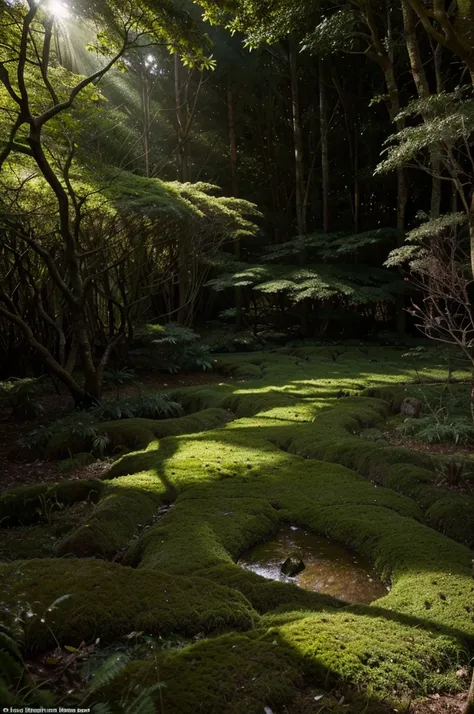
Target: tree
[[38, 125]]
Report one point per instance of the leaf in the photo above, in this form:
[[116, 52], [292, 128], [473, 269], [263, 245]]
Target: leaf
[[68, 648], [144, 704], [111, 669]]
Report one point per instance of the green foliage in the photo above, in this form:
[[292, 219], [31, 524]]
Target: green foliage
[[437, 428], [353, 284], [119, 377], [106, 675], [82, 431], [331, 247], [448, 118], [152, 405], [335, 33], [79, 460], [293, 454], [109, 671], [17, 689], [21, 396], [170, 348], [418, 239], [28, 504]]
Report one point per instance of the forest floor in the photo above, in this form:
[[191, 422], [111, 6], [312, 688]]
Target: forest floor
[[145, 547], [16, 473]]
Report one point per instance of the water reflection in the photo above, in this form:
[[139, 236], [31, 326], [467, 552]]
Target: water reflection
[[330, 568]]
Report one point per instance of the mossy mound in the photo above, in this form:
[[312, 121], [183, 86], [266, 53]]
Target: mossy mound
[[39, 540], [28, 504], [232, 674], [110, 526], [136, 433], [83, 458], [99, 599], [334, 437], [246, 673]]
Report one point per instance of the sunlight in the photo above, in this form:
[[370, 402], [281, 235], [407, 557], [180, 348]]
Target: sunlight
[[58, 9]]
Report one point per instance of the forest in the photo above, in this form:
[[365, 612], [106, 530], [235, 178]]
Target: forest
[[237, 356]]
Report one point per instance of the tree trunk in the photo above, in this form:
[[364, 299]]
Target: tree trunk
[[234, 187], [324, 130], [181, 153], [423, 90], [299, 163], [145, 97], [471, 231], [402, 192], [297, 138]]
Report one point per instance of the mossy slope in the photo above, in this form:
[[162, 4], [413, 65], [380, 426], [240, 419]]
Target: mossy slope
[[107, 600]]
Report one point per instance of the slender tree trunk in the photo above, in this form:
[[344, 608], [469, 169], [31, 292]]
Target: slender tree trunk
[[356, 180], [145, 97], [234, 187], [297, 138], [471, 230], [402, 192], [181, 158], [423, 90], [299, 163], [324, 129], [183, 240]]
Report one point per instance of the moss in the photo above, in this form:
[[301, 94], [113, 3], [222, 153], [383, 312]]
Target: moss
[[39, 540], [111, 524], [81, 459], [137, 433], [286, 458], [233, 674], [266, 595], [28, 504], [373, 652], [107, 600], [239, 673], [201, 533], [248, 371], [411, 473]]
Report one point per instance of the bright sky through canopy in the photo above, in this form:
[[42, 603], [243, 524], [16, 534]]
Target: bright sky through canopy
[[58, 8]]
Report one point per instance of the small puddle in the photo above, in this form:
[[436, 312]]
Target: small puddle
[[330, 568]]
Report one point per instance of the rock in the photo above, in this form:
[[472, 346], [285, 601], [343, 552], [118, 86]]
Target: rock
[[292, 566], [411, 407]]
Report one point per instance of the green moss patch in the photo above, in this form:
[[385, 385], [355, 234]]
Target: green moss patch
[[136, 433], [110, 526], [28, 504], [107, 600], [39, 539], [233, 674]]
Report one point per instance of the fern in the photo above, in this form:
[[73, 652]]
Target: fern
[[110, 670], [434, 429], [101, 708], [144, 704], [21, 396]]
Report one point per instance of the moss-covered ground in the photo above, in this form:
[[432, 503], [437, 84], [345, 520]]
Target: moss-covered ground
[[279, 443]]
